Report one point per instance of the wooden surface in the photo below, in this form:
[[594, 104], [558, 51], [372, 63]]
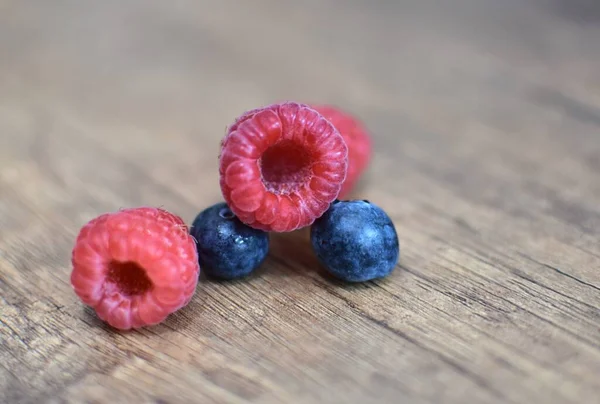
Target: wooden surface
[[486, 123]]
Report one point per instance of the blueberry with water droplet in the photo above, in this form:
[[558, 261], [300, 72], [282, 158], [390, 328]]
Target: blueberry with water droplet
[[227, 248]]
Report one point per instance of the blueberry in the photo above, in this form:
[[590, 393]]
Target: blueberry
[[356, 241], [227, 248]]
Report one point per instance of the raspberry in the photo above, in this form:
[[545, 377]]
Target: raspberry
[[357, 139], [135, 266], [281, 166]]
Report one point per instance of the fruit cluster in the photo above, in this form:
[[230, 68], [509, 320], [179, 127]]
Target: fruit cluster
[[282, 167]]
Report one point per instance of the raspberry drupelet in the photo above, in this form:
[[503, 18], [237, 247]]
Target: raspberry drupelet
[[357, 139], [135, 266], [281, 166]]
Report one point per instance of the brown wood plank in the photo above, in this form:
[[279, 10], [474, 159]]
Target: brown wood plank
[[485, 117]]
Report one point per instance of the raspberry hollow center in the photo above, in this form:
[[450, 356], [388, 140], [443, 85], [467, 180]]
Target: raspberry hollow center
[[285, 167], [130, 278]]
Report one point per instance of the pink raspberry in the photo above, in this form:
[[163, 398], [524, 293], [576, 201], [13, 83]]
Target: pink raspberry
[[135, 266], [281, 166], [357, 139]]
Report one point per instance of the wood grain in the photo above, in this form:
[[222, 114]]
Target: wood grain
[[486, 123]]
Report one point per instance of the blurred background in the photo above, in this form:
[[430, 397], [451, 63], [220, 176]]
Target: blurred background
[[143, 81], [150, 79]]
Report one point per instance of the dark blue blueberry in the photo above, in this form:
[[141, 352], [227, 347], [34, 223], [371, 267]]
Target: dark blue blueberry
[[227, 248], [356, 241]]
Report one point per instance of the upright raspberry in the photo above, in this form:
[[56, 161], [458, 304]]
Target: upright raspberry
[[135, 266], [281, 166], [357, 139]]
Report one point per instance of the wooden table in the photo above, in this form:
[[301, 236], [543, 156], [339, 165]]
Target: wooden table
[[486, 122]]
